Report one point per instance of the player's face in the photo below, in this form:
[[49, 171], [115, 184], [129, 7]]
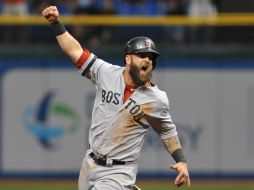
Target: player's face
[[141, 68]]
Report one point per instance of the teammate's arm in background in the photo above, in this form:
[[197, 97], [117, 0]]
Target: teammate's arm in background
[[66, 41], [173, 146]]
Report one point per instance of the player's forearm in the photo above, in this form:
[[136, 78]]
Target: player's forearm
[[67, 42], [70, 46], [174, 148]]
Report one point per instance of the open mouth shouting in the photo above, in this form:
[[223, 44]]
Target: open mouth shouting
[[145, 70]]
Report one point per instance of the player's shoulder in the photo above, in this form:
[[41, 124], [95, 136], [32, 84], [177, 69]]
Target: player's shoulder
[[109, 66], [160, 95]]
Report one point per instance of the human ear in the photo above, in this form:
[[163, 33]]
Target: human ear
[[127, 60]]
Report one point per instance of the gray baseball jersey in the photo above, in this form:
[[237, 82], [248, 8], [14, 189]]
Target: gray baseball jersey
[[118, 128]]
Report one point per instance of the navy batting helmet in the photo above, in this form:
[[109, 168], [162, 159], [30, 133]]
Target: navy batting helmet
[[141, 45]]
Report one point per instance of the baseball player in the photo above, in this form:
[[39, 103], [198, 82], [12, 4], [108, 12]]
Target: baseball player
[[127, 103]]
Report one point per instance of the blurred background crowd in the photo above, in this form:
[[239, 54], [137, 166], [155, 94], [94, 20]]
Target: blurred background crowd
[[121, 7], [101, 35]]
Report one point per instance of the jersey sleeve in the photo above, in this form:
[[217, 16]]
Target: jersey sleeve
[[85, 62], [160, 119], [92, 68]]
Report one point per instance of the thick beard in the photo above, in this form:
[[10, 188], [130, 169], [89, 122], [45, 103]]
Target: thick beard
[[137, 79]]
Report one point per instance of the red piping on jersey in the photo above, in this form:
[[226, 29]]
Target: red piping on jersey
[[82, 59], [128, 91]]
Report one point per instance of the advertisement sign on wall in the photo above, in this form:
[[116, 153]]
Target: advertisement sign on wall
[[46, 116]]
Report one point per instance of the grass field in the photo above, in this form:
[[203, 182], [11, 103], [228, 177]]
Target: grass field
[[145, 185]]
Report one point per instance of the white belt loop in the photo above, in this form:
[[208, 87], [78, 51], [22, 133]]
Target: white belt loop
[[109, 162]]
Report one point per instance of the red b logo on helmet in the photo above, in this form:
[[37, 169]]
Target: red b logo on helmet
[[148, 44]]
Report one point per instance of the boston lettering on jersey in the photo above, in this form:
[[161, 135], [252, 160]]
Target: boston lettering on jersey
[[110, 97], [134, 109]]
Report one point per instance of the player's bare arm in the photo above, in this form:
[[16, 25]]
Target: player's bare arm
[[173, 146], [66, 41]]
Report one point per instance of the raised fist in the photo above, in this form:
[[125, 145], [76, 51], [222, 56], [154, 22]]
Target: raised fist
[[51, 14]]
